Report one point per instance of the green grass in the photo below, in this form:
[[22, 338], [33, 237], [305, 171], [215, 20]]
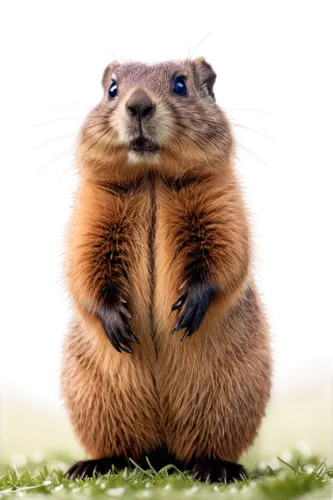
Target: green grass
[[301, 477]]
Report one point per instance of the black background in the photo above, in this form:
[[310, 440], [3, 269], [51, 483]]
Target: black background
[[49, 70]]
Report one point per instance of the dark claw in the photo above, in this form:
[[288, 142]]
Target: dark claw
[[71, 471], [194, 303], [125, 312], [179, 302], [131, 335], [223, 475], [188, 332], [176, 305], [115, 320], [127, 336], [187, 315], [87, 468], [127, 348], [207, 477], [83, 472], [220, 471], [116, 345], [134, 339], [175, 330]]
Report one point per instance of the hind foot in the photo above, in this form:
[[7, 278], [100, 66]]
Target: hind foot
[[87, 468], [217, 471], [158, 458]]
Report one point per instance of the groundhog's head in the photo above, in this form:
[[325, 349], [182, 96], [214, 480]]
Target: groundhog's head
[[157, 115]]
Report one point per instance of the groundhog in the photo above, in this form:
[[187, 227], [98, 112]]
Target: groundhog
[[168, 355]]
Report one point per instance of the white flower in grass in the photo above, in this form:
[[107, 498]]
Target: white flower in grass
[[275, 464], [286, 456], [192, 490], [303, 448], [19, 460], [37, 456], [263, 465], [116, 492]]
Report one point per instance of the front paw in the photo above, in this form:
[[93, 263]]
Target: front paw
[[115, 320], [193, 303]]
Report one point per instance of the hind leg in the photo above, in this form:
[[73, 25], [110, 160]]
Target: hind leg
[[111, 400], [208, 427], [214, 388]]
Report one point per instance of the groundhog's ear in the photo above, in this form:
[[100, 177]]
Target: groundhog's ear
[[107, 76], [204, 77]]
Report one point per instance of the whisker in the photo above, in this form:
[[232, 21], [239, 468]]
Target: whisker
[[251, 110], [59, 156], [73, 134], [191, 51], [65, 172], [181, 132], [55, 140], [244, 146], [174, 139], [194, 141], [101, 116], [240, 125], [252, 130], [80, 104], [65, 109], [102, 122], [94, 125], [94, 145], [253, 155], [56, 120]]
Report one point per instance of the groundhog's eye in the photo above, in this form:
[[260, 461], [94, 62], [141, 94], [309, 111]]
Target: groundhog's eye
[[113, 89], [179, 86]]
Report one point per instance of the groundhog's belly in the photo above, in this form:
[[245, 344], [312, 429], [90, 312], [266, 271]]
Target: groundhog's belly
[[167, 388]]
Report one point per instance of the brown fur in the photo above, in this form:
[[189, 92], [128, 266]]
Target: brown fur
[[142, 229]]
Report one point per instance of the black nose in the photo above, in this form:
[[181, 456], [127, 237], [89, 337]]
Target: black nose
[[140, 105]]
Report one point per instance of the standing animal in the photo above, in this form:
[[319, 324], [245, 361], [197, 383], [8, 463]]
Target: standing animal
[[168, 354]]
